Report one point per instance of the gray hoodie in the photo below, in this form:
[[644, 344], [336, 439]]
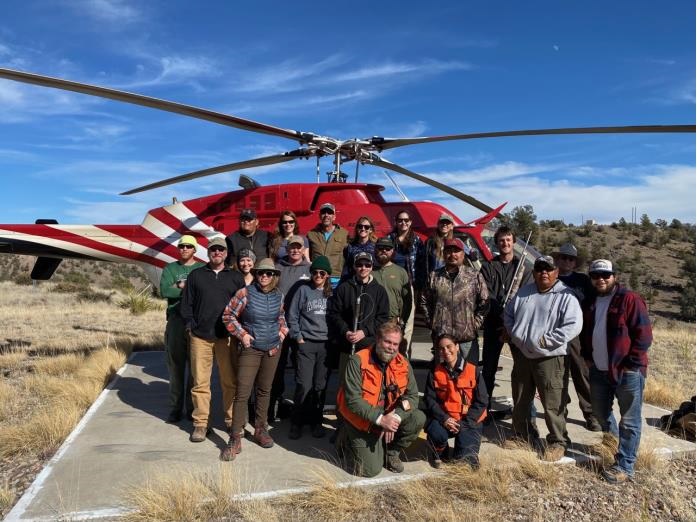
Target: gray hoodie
[[307, 314], [541, 324], [292, 276]]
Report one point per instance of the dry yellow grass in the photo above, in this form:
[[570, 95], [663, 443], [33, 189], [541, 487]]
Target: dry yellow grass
[[671, 374], [68, 352]]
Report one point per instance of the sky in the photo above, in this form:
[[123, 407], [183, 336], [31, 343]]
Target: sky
[[351, 70]]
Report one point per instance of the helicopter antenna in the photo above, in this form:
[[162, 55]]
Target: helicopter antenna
[[396, 187]]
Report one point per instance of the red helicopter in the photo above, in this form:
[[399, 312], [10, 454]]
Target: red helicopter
[[152, 243]]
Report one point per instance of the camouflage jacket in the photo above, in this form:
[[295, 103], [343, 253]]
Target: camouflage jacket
[[455, 306]]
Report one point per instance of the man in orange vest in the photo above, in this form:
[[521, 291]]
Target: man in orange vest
[[379, 400], [455, 405]]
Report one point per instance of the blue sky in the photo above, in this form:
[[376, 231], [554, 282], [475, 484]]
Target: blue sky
[[351, 70]]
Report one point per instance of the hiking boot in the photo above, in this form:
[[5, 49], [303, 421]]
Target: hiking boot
[[615, 475], [435, 456], [592, 424], [318, 431], [174, 417], [295, 431], [199, 434], [233, 447], [262, 437], [394, 463], [553, 453]]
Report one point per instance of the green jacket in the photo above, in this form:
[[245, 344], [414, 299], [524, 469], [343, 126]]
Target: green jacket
[[172, 273], [333, 248], [395, 280]]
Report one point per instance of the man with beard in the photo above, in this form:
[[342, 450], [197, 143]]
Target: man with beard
[[615, 341], [456, 300], [208, 290], [379, 402], [395, 280], [541, 320], [247, 236]]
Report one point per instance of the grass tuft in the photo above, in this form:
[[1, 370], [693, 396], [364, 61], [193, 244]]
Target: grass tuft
[[139, 302]]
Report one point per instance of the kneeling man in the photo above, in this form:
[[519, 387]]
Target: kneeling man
[[378, 400]]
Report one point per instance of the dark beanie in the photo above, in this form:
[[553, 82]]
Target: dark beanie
[[321, 263]]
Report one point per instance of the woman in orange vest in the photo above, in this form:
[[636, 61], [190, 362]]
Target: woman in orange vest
[[455, 405]]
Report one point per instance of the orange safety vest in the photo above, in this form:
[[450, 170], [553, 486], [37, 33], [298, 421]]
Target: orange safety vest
[[456, 396], [397, 373]]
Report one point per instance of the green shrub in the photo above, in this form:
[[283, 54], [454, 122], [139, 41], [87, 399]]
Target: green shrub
[[139, 302]]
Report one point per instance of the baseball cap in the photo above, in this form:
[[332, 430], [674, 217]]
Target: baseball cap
[[327, 206], [601, 266], [217, 241], [186, 239], [248, 213], [445, 217], [567, 249], [362, 256], [384, 242], [246, 252], [544, 262], [296, 240], [454, 243]]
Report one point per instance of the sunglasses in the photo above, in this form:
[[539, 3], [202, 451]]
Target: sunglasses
[[364, 265], [217, 249], [403, 220], [384, 248], [564, 257], [186, 247], [545, 269], [326, 212], [363, 227], [442, 223], [601, 275], [265, 273], [291, 222], [320, 273], [246, 219]]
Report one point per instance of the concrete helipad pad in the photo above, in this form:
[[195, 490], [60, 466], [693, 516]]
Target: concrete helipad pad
[[123, 440]]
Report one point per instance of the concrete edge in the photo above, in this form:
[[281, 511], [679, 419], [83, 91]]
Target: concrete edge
[[18, 510]]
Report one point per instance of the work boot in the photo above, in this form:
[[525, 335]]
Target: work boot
[[262, 437], [554, 452], [232, 448], [615, 475], [394, 463], [295, 432], [435, 455], [592, 423], [199, 434], [318, 431]]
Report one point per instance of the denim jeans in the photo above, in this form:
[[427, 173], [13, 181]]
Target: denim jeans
[[630, 395], [470, 350], [467, 440]]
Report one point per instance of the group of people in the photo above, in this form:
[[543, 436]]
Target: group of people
[[331, 300]]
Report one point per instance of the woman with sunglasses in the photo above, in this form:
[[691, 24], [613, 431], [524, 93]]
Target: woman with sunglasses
[[245, 265], [256, 317], [409, 254], [434, 255], [363, 241], [307, 325], [287, 227]]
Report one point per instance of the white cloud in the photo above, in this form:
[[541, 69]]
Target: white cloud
[[119, 11], [661, 191], [398, 69]]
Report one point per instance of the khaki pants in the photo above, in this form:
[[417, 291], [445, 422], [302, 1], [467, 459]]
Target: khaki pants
[[549, 376], [202, 353]]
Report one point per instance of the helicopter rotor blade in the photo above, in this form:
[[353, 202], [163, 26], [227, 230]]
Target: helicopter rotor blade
[[155, 103], [445, 188], [257, 162], [391, 143]]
